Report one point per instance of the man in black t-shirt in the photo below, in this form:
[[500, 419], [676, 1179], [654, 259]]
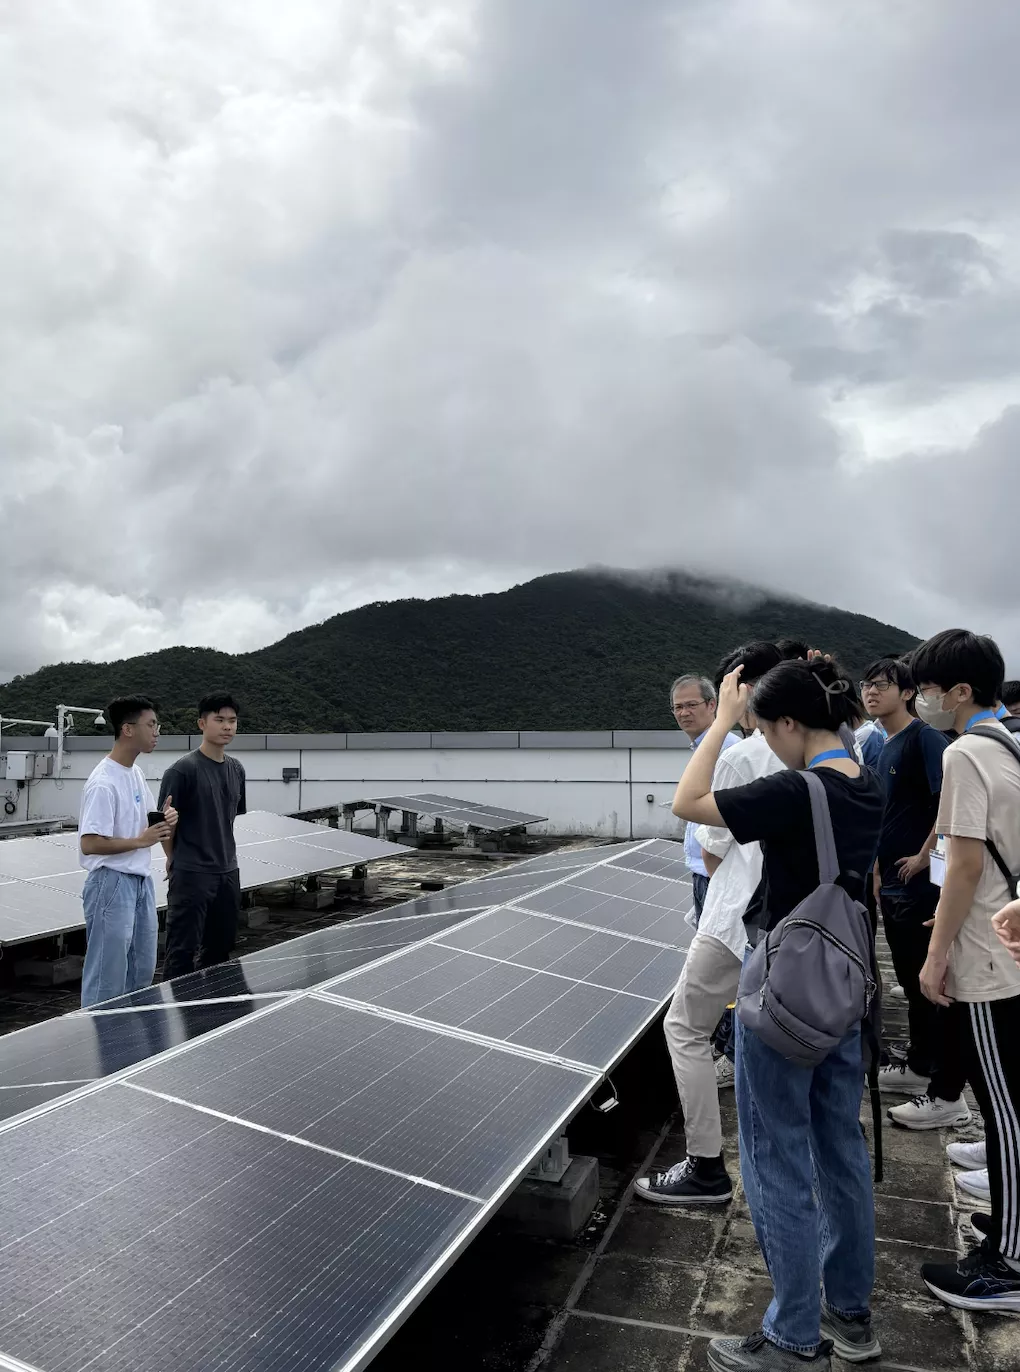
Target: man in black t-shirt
[[910, 765], [208, 791]]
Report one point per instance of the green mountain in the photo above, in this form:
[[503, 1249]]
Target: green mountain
[[576, 650]]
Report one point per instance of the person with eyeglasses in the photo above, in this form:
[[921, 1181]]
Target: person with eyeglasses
[[692, 700], [910, 767]]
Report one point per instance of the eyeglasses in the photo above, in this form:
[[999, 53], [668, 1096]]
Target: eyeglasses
[[880, 686], [683, 706]]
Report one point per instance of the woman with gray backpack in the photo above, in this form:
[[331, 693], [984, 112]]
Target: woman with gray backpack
[[808, 991]]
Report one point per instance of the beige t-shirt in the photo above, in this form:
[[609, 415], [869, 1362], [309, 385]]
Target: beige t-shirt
[[981, 799]]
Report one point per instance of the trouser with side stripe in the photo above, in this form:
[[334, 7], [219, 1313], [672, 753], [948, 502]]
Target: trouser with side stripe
[[990, 1031]]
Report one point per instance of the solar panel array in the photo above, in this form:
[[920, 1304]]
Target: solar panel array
[[279, 1192], [41, 882], [467, 813]]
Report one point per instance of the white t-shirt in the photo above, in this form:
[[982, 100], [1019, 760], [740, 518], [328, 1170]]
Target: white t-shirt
[[115, 804], [737, 878], [981, 799]]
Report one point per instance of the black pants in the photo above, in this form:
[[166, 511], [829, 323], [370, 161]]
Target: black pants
[[935, 1049], [201, 919], [700, 884], [990, 1032]]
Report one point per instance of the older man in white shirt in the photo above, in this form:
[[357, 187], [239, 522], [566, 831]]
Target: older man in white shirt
[[711, 972]]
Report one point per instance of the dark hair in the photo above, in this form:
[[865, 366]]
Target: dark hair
[[896, 670], [791, 649], [128, 710], [1010, 693], [756, 659], [815, 693], [215, 701], [957, 657]]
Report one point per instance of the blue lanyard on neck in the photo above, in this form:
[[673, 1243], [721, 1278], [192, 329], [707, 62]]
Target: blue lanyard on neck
[[976, 719], [824, 757]]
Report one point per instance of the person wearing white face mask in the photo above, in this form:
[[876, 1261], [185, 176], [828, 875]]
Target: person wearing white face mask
[[968, 968]]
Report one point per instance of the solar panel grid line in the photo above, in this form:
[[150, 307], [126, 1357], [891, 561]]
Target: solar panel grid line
[[240, 1121], [184, 1004], [13, 1365], [38, 1085], [602, 929], [450, 1031], [545, 971]]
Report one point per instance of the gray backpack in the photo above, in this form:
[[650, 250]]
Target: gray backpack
[[813, 977]]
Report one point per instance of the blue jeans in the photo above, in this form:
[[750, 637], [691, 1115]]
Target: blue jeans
[[807, 1177], [700, 884], [121, 932]]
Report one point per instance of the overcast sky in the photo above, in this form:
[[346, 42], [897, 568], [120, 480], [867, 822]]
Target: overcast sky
[[307, 304]]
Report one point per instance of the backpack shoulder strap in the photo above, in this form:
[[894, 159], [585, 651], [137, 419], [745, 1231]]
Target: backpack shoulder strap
[[825, 843], [1009, 742]]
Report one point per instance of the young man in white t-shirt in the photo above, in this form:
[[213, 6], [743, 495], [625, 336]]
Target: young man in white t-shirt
[[115, 839], [968, 968]]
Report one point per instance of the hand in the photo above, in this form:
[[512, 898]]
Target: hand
[[933, 979], [910, 867], [815, 654], [169, 813], [156, 833], [1007, 925], [733, 697]]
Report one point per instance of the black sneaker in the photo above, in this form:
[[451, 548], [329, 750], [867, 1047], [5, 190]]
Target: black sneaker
[[853, 1340], [695, 1181], [757, 1354], [981, 1225], [980, 1281]]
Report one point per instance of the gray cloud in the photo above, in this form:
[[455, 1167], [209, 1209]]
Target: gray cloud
[[301, 308]]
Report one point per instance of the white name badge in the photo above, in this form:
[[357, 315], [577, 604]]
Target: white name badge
[[937, 867]]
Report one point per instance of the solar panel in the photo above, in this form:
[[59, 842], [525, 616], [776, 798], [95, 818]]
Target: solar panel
[[468, 813], [41, 883], [279, 1193]]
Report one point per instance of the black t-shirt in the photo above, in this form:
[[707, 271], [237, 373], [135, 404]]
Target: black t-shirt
[[207, 796], [777, 811], [910, 766]]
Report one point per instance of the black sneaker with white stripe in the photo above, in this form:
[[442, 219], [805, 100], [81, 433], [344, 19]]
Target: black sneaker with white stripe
[[981, 1281], [695, 1181]]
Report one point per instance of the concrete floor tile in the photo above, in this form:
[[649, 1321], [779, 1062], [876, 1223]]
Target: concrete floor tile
[[921, 1333], [599, 1346], [905, 1177], [997, 1343], [739, 1248], [657, 1231], [734, 1301], [665, 1293], [926, 1225]]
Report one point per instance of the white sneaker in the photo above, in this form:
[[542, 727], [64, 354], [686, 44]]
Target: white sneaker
[[924, 1113], [725, 1073], [898, 992], [898, 1077], [969, 1156], [975, 1183]]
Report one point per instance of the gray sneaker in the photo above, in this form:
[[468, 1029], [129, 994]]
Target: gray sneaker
[[756, 1354], [854, 1340]]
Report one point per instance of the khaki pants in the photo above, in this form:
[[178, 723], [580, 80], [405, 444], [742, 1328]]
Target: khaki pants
[[708, 983]]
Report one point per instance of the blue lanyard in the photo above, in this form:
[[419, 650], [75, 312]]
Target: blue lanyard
[[976, 719], [824, 757]]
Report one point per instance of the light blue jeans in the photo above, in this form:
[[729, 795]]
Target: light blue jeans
[[121, 932], [807, 1177]]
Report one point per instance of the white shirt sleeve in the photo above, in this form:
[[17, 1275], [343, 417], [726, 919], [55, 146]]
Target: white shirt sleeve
[[713, 838], [98, 807]]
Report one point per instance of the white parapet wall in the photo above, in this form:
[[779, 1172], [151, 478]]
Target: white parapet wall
[[609, 785]]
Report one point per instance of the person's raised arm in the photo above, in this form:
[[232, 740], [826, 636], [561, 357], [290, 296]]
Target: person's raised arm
[[694, 800]]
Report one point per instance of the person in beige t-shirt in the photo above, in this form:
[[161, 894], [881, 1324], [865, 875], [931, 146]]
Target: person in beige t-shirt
[[969, 968]]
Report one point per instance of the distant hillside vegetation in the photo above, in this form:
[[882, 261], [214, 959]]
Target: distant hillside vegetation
[[577, 650]]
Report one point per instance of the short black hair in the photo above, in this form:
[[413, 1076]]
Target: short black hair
[[813, 692], [756, 659], [216, 701], [791, 649], [1010, 693], [894, 669], [957, 657], [128, 710]]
